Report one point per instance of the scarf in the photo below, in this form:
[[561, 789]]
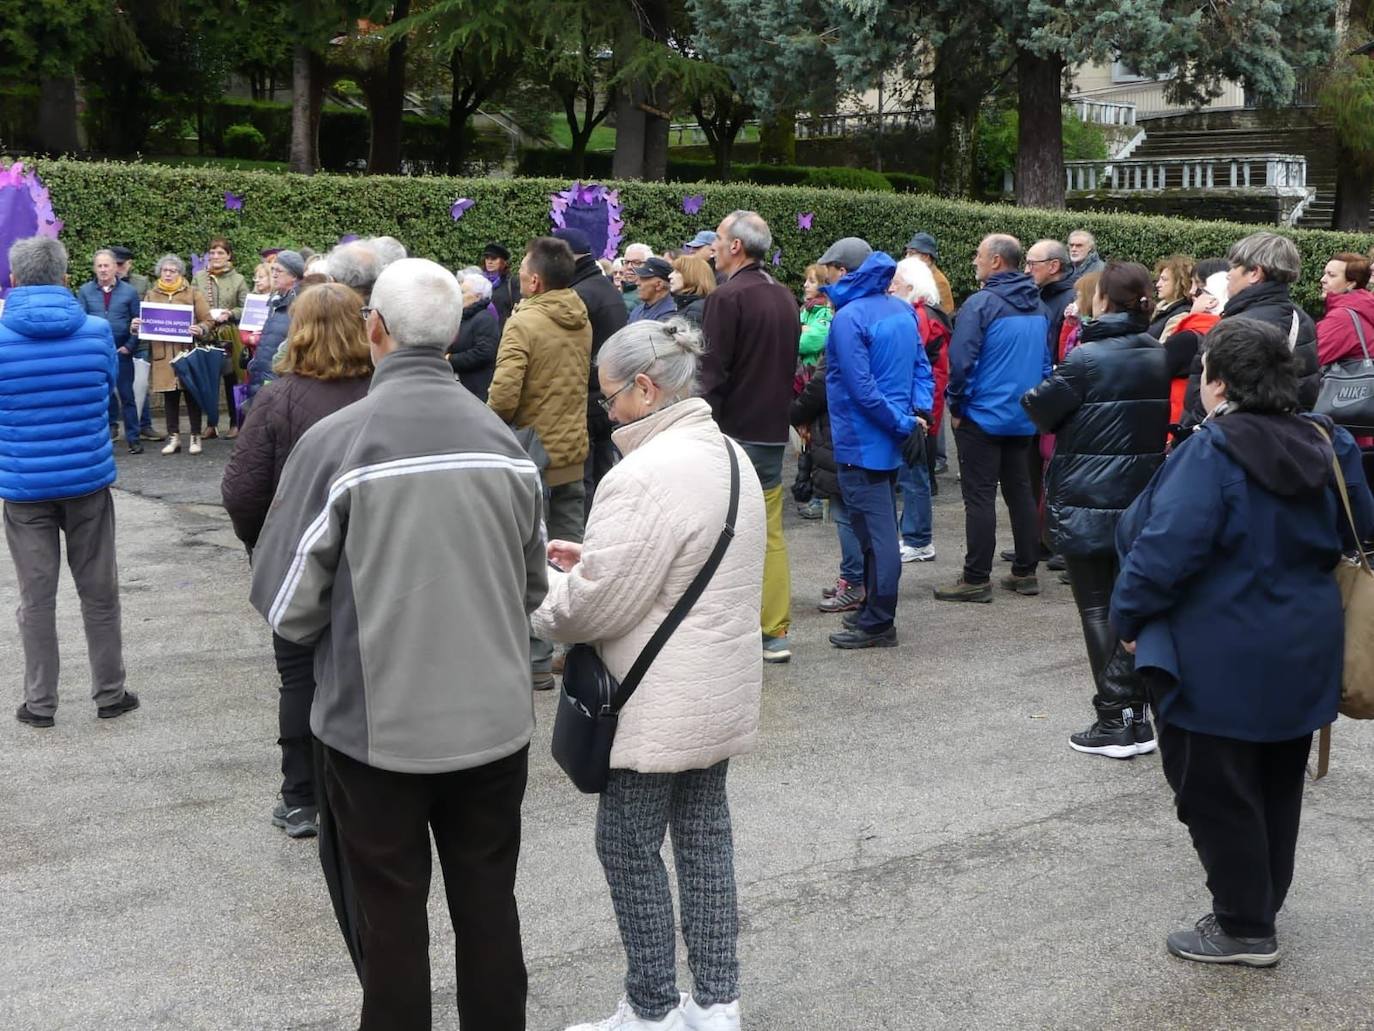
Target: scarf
[[816, 302], [170, 291]]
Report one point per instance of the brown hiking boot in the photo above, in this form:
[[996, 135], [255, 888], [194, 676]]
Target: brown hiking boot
[[962, 590], [1027, 585]]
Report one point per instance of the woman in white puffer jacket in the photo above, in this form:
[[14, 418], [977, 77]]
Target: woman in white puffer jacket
[[656, 519]]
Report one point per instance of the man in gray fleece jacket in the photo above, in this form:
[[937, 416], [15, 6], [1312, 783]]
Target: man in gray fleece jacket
[[387, 513]]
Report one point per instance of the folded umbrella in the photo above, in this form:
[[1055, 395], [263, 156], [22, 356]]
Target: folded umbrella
[[199, 372]]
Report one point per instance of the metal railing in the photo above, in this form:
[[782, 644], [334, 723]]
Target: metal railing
[[1204, 172], [811, 127]]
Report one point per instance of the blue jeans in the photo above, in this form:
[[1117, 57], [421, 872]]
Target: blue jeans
[[128, 403], [851, 555], [871, 498], [915, 484]]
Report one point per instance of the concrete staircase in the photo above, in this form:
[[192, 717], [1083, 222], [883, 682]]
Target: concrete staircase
[[1246, 132]]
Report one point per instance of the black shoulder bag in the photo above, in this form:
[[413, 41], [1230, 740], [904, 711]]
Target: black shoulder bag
[[590, 702], [1347, 391]]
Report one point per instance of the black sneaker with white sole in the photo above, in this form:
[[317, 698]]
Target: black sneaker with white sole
[[1145, 742], [1208, 943], [299, 821], [1112, 738]]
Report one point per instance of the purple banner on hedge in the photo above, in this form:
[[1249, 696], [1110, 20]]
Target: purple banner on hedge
[[25, 210], [594, 210]]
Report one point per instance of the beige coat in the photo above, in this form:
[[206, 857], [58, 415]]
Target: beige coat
[[656, 519], [162, 377]]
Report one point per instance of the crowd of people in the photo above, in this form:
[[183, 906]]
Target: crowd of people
[[591, 425]]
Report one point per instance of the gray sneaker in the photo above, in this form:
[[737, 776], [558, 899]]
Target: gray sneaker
[[299, 821], [1208, 943], [776, 649]]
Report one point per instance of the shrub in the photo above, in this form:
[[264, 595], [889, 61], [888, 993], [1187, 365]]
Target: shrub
[[849, 179], [178, 209], [904, 182], [244, 141]]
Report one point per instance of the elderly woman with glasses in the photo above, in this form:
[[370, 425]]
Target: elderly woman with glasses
[[171, 287], [656, 517]]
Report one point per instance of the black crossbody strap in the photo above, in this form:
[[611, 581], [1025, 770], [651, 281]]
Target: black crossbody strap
[[689, 597]]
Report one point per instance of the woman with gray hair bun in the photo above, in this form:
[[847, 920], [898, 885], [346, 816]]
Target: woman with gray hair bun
[[655, 520], [171, 287], [473, 351]]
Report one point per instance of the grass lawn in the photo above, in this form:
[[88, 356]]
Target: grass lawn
[[603, 137]]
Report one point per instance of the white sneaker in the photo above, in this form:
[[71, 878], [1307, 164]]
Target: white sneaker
[[723, 1016], [173, 444], [195, 445], [625, 1019], [910, 554]]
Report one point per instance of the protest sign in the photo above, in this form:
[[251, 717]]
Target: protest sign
[[171, 322], [254, 313]]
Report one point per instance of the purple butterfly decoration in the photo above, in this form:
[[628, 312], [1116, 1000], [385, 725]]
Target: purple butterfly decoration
[[691, 205], [199, 263], [348, 238], [777, 257], [232, 201], [460, 207], [804, 219]]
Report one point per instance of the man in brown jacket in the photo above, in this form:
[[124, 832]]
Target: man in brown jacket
[[542, 366]]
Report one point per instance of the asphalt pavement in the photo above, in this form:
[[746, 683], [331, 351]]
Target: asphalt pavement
[[917, 846]]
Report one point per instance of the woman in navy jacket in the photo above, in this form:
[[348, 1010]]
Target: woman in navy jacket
[[1108, 406], [1227, 598]]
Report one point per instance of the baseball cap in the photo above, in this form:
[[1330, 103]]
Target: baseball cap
[[576, 239], [704, 238], [924, 243], [848, 252], [653, 268]]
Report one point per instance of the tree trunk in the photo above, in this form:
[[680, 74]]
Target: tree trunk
[[655, 148], [57, 128], [386, 105], [1040, 131], [1354, 190], [956, 124], [307, 91], [778, 139]]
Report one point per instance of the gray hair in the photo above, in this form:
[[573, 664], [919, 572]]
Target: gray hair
[[1092, 240], [919, 280], [387, 248], [170, 259], [420, 302], [476, 284], [104, 250], [1008, 248], [1274, 255], [749, 228], [38, 261], [643, 249], [669, 353], [354, 264], [1056, 251]]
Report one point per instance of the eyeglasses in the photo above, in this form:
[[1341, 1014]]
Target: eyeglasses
[[1039, 261], [607, 402], [368, 310]]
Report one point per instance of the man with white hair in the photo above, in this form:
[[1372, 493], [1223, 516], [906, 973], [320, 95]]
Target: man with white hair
[[422, 711], [1083, 253], [629, 275]]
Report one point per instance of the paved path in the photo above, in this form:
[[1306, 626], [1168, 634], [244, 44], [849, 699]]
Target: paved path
[[917, 845]]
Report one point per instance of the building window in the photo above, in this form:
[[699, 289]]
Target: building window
[[1122, 73]]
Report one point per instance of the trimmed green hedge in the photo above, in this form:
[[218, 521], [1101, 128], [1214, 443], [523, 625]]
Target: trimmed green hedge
[[154, 209]]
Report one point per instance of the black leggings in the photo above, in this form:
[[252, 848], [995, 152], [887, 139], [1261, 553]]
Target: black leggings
[[1118, 687], [296, 668], [172, 400]]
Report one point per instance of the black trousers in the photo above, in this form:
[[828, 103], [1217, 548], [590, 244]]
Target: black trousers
[[1117, 685], [296, 668], [383, 822], [1241, 802], [984, 462]]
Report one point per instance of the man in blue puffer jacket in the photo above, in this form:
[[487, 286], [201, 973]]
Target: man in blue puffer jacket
[[879, 388], [57, 369], [999, 351]]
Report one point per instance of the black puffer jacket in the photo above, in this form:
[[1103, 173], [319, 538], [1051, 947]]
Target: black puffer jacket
[[606, 310], [1057, 296], [809, 407], [1271, 303], [1108, 406], [691, 307], [1165, 312], [473, 353]]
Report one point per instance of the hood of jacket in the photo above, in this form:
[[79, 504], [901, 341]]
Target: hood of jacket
[[1051, 292], [43, 312], [1284, 454], [563, 307], [1115, 324], [1015, 288], [475, 307], [585, 268], [1359, 301], [1261, 294], [871, 278]]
